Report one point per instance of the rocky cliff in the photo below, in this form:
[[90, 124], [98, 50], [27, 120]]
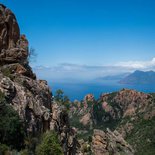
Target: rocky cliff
[[30, 97]]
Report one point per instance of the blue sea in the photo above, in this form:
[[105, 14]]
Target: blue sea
[[79, 90]]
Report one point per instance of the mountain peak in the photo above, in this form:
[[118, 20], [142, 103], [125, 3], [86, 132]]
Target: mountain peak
[[139, 77]]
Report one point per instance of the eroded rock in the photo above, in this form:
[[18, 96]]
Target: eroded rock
[[110, 143]]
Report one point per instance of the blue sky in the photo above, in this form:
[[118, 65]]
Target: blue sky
[[88, 34]]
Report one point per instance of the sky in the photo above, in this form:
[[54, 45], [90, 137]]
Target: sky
[[81, 39]]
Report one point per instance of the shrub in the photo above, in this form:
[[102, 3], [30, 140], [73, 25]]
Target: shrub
[[7, 73], [11, 129], [24, 152], [49, 145], [3, 148]]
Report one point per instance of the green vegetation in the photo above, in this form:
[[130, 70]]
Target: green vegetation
[[3, 149], [49, 145], [24, 152], [11, 129], [86, 136], [14, 137], [62, 99], [59, 95], [142, 137], [86, 149], [6, 72], [75, 122]]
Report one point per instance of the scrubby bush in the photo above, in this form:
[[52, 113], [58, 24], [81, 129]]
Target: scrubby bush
[[11, 129], [3, 149], [7, 72], [49, 145], [62, 99], [59, 95], [24, 152]]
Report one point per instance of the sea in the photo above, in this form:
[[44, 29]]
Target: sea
[[77, 91]]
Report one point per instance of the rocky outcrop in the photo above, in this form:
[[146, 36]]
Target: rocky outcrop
[[127, 107], [110, 143], [89, 98], [85, 120], [13, 47], [67, 135], [120, 111], [132, 101], [31, 98]]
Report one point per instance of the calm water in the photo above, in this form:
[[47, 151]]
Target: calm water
[[79, 90]]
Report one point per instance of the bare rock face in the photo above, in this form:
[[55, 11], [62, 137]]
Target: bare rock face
[[85, 120], [131, 101], [31, 98], [110, 143], [13, 47], [9, 29]]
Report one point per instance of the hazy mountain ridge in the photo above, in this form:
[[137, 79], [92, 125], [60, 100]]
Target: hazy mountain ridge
[[139, 77], [113, 77]]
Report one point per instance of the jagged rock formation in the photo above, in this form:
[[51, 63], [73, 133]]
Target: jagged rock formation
[[83, 110], [13, 47], [67, 135], [128, 112], [110, 143], [30, 97], [128, 104]]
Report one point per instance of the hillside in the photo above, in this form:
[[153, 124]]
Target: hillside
[[127, 112], [139, 77]]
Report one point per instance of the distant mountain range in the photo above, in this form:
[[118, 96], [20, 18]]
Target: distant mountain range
[[139, 77], [113, 77]]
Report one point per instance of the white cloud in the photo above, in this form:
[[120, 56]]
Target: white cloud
[[144, 65], [72, 72]]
